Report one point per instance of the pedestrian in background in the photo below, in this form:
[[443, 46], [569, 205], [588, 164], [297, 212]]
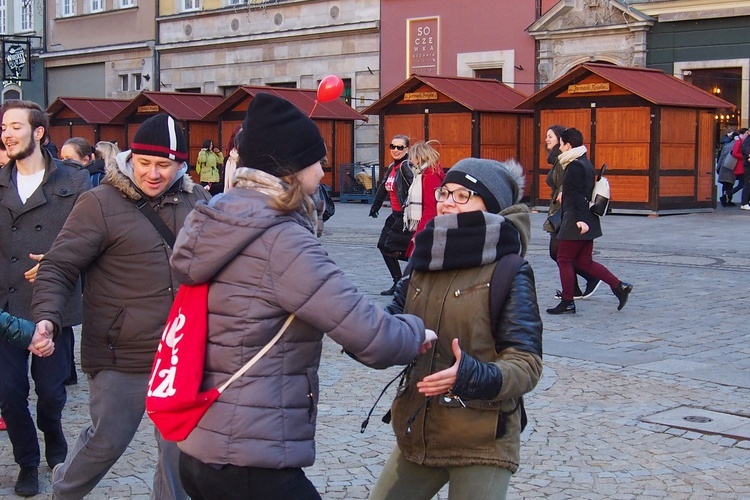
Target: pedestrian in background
[[739, 166], [725, 168], [421, 206], [458, 413], [254, 441], [554, 181], [208, 165], [120, 234], [232, 158], [580, 226], [37, 192], [745, 150], [394, 238]]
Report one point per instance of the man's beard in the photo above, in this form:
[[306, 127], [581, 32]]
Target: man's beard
[[25, 152]]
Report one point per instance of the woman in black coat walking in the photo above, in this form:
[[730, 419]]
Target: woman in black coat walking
[[579, 225]]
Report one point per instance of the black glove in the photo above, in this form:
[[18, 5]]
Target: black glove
[[373, 213], [477, 380]]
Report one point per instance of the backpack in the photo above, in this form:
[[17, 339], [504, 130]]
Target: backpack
[[599, 201]]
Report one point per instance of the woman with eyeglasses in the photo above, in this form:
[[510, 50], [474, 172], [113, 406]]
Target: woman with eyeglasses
[[458, 412], [394, 238]]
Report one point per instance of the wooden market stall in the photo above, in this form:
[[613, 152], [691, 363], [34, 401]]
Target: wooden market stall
[[335, 119], [655, 132], [187, 108], [469, 117], [87, 117]]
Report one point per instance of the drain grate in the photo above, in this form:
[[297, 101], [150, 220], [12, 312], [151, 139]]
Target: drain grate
[[697, 419], [703, 421]]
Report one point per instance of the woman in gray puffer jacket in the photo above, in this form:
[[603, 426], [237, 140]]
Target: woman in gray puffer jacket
[[256, 245]]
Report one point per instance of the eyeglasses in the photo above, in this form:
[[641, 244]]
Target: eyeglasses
[[396, 146], [460, 196]]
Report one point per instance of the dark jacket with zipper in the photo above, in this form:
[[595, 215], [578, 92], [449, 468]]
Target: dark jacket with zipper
[[129, 285], [403, 181]]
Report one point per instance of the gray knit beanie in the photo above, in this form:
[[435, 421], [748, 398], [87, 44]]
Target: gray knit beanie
[[489, 179]]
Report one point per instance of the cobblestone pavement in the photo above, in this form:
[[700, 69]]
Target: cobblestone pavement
[[680, 341]]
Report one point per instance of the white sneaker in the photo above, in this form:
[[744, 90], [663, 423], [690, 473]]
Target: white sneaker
[[745, 207]]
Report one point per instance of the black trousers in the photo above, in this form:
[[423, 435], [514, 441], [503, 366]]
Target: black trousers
[[228, 482]]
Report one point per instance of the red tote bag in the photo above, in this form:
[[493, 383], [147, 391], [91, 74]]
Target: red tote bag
[[174, 402]]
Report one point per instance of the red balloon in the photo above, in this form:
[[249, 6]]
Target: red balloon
[[330, 88]]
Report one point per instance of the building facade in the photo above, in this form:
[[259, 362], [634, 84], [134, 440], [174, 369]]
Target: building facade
[[99, 48], [214, 46]]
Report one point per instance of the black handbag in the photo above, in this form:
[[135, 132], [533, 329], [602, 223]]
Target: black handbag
[[555, 221]]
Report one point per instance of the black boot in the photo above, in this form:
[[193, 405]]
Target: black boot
[[622, 292], [27, 484], [591, 287], [564, 307], [391, 290]]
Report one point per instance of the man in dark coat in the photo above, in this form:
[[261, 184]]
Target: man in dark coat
[[37, 192]]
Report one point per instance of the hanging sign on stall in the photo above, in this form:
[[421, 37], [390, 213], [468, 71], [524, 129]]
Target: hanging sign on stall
[[583, 88]]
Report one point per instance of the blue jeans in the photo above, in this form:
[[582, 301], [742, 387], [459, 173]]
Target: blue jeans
[[230, 482], [49, 375], [117, 402], [402, 479]]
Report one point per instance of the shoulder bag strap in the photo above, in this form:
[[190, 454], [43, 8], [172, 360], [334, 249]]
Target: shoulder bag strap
[[260, 354], [146, 209]]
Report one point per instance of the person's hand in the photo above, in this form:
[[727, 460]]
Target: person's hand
[[41, 342], [559, 198], [429, 337], [582, 226], [373, 213], [207, 187], [443, 381], [31, 273]]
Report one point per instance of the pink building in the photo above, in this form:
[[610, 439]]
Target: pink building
[[482, 38]]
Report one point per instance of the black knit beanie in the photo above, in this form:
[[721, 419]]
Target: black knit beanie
[[160, 136], [278, 138], [488, 178]]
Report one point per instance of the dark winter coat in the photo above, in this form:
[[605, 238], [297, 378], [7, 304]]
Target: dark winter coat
[[31, 227], [129, 286], [403, 181], [268, 265], [578, 183]]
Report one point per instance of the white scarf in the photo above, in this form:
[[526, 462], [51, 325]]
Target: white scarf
[[570, 155], [413, 210]]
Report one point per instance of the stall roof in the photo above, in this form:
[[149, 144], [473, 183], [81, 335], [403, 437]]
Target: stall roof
[[183, 106], [475, 94], [93, 110], [304, 99], [652, 85]]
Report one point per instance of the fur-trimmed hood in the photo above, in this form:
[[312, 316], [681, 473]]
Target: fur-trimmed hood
[[120, 175]]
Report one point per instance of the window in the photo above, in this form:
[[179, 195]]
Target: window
[[124, 83], [285, 85], [124, 4], [136, 79], [68, 8], [188, 5], [3, 17], [96, 6], [236, 2], [27, 15], [491, 73]]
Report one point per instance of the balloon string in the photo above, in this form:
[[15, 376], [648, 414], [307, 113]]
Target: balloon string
[[313, 110]]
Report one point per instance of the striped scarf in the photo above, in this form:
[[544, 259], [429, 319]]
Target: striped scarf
[[463, 241], [414, 203]]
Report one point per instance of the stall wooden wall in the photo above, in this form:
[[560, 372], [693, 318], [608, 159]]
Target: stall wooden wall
[[677, 153], [623, 143]]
